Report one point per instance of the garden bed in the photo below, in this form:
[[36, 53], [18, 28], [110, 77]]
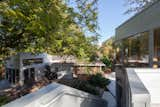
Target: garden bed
[[93, 84]]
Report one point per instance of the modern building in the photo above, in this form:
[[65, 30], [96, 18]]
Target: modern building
[[26, 67], [138, 45], [138, 39]]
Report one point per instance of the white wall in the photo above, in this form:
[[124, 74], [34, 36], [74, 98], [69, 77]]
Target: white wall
[[12, 62], [16, 62], [151, 80]]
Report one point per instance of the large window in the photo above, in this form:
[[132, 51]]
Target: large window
[[136, 48], [144, 44], [32, 61]]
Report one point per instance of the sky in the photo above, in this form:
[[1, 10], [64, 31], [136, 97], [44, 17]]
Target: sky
[[111, 15]]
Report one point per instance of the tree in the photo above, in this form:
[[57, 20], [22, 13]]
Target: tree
[[107, 48], [107, 52], [52, 26], [137, 5]]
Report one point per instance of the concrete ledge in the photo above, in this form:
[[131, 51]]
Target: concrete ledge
[[150, 78], [139, 92], [130, 90], [57, 95]]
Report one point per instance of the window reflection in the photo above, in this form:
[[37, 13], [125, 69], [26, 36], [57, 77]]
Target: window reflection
[[32, 61], [136, 49]]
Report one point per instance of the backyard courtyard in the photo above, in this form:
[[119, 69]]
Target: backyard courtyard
[[79, 53]]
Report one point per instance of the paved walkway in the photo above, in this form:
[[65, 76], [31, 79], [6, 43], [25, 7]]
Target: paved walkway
[[112, 86], [109, 98], [110, 95]]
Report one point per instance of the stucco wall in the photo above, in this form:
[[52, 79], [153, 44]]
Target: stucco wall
[[143, 21]]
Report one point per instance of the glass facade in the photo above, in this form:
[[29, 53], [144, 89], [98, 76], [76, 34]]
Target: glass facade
[[135, 50], [12, 75]]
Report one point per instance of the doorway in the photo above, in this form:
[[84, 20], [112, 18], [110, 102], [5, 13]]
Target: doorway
[[32, 74], [26, 76], [29, 75]]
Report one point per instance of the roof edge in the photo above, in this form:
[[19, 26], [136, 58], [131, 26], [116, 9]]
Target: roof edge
[[135, 15]]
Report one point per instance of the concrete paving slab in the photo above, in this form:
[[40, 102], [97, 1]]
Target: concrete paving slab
[[112, 86], [110, 99]]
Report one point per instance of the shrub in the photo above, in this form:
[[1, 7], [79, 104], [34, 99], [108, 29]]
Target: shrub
[[3, 100], [85, 86], [107, 61], [98, 81], [89, 88]]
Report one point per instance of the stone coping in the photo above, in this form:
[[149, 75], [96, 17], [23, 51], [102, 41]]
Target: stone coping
[[58, 95], [139, 92]]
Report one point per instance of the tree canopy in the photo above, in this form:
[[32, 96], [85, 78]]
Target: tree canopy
[[52, 26]]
